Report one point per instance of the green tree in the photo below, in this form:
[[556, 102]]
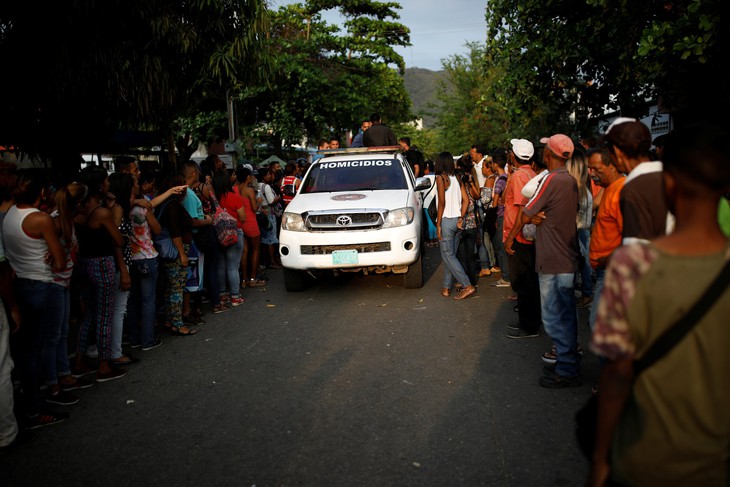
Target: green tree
[[121, 64], [601, 55], [326, 78]]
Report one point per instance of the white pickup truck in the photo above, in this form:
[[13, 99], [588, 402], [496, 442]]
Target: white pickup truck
[[357, 210]]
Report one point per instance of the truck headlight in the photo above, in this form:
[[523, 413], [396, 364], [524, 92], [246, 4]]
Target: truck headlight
[[293, 222], [399, 217]]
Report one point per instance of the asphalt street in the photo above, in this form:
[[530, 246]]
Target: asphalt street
[[354, 382]]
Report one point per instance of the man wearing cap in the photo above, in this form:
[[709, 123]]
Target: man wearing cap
[[554, 209], [520, 250], [642, 201]]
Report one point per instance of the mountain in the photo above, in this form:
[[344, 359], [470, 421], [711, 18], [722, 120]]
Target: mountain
[[421, 85]]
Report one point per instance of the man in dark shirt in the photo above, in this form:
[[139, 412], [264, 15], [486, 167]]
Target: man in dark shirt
[[642, 201], [378, 135], [554, 209], [412, 155]]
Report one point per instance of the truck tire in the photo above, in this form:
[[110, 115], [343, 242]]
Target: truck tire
[[294, 280], [413, 279]]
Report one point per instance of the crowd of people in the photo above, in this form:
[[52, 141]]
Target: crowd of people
[[110, 259], [632, 232]]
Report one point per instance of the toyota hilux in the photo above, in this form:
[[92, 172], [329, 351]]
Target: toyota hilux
[[356, 210]]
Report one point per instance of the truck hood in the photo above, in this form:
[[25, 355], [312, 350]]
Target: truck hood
[[347, 200]]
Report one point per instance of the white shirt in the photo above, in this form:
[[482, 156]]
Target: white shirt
[[480, 177]]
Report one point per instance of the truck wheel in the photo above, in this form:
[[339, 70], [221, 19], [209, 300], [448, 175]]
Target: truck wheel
[[294, 280], [413, 279]]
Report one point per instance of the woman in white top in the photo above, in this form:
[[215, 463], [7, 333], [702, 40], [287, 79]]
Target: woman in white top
[[452, 202], [35, 253]]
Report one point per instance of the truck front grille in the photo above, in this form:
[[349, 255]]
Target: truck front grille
[[361, 248], [346, 220]]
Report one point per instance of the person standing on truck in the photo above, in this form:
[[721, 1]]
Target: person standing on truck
[[379, 134], [412, 155]]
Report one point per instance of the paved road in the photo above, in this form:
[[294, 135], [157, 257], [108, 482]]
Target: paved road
[[354, 382]]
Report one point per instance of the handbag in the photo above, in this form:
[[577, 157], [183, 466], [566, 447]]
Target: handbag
[[224, 225], [263, 221], [586, 417], [162, 241]]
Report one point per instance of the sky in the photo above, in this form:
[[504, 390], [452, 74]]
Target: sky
[[439, 28]]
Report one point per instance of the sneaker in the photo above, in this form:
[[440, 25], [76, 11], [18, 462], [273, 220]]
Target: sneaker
[[515, 326], [114, 374], [82, 372], [523, 334], [219, 308], [154, 345], [584, 302], [549, 357], [501, 283], [552, 356], [92, 352], [494, 269], [237, 301], [44, 419], [136, 345], [62, 398], [78, 383], [556, 381], [204, 299]]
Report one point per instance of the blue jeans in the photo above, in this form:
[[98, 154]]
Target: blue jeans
[[449, 243], [141, 309], [42, 307], [560, 319], [584, 239], [228, 264]]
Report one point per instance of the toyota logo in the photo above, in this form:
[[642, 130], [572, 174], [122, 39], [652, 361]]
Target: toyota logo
[[344, 220]]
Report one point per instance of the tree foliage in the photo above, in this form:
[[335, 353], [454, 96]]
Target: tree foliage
[[326, 78], [600, 55], [121, 64]]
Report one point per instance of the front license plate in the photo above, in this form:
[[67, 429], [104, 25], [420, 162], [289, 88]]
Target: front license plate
[[344, 257]]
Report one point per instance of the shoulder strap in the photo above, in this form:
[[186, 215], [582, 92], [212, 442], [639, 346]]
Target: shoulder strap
[[675, 334], [213, 198]]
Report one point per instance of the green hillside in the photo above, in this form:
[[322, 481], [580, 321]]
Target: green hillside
[[421, 86]]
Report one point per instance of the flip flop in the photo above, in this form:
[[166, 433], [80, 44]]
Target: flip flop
[[178, 331]]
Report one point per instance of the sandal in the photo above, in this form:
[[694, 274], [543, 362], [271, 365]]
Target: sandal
[[256, 283], [183, 330], [445, 292]]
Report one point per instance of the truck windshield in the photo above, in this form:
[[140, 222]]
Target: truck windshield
[[354, 175]]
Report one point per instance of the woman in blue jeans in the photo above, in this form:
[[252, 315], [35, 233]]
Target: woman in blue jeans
[[35, 253], [141, 308], [228, 277], [451, 202]]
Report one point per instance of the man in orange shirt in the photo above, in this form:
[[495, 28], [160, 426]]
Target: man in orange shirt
[[607, 229]]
